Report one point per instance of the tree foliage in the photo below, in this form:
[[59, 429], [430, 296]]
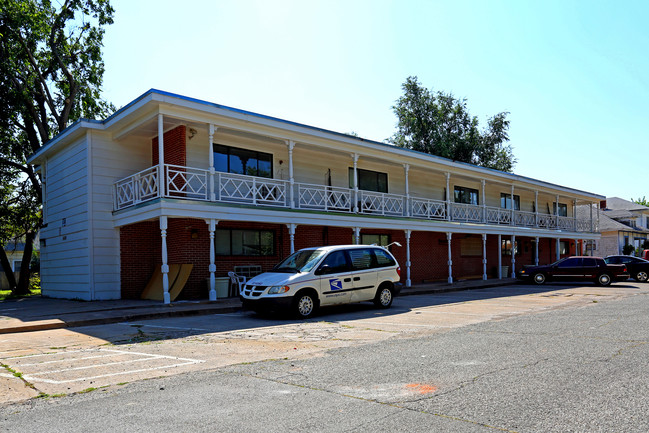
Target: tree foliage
[[51, 72], [643, 201], [439, 124]]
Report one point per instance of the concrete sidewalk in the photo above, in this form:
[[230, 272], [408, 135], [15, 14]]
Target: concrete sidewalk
[[38, 313]]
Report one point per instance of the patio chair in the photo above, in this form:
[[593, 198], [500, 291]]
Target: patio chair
[[236, 280]]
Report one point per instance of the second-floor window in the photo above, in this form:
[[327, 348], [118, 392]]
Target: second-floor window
[[369, 180], [506, 201], [466, 195], [230, 159], [563, 209]]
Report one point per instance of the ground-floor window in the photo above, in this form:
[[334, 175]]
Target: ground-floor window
[[380, 240], [564, 248], [506, 247], [236, 242]]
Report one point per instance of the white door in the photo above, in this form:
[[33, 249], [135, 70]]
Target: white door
[[335, 279]]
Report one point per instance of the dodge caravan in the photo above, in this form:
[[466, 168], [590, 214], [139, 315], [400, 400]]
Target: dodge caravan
[[317, 277]]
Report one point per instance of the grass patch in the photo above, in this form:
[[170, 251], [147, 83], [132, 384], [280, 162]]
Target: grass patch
[[6, 294], [87, 390]]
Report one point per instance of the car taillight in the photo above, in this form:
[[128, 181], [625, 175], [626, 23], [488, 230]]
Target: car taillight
[[399, 270]]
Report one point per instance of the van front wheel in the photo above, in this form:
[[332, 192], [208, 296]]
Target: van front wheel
[[383, 298], [305, 304]]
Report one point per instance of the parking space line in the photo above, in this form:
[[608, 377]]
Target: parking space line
[[63, 360]]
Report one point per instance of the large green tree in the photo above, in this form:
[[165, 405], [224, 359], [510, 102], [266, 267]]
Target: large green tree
[[643, 201], [51, 72], [439, 124]]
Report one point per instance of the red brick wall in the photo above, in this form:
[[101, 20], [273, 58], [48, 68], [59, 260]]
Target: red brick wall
[[175, 145], [139, 255]]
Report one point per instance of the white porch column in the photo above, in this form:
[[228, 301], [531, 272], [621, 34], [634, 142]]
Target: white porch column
[[165, 265], [574, 214], [577, 249], [484, 256], [448, 196], [536, 256], [291, 180], [558, 248], [355, 158], [162, 181], [597, 227], [450, 262], [484, 200], [500, 257], [513, 214], [536, 208], [513, 254], [357, 235], [556, 213], [408, 233], [591, 218], [291, 235], [406, 169], [212, 130], [212, 227]]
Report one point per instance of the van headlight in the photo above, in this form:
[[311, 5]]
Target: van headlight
[[275, 290]]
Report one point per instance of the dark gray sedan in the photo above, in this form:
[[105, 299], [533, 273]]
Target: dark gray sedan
[[638, 268]]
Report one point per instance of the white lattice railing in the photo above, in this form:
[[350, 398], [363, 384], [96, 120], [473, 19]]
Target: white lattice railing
[[200, 184], [466, 212], [321, 197], [139, 187], [496, 215], [429, 209], [255, 190]]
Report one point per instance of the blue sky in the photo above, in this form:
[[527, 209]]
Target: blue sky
[[572, 74]]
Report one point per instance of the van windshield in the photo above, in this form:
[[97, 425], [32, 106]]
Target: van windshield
[[301, 261]]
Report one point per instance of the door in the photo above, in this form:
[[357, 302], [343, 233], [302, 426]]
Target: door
[[569, 270], [364, 274], [335, 279]]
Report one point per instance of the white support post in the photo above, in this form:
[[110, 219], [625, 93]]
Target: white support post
[[484, 201], [408, 233], [597, 227], [558, 248], [165, 265], [536, 256], [574, 214], [212, 269], [484, 256], [355, 158], [450, 261], [536, 208], [357, 235], [500, 257], [212, 130], [406, 168], [162, 178], [513, 253], [291, 179], [513, 214], [577, 251], [556, 213], [291, 235], [591, 218], [448, 196]]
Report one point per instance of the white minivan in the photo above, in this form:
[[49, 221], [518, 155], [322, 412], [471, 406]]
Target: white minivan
[[317, 277]]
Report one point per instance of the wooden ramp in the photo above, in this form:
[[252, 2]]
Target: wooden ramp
[[178, 276]]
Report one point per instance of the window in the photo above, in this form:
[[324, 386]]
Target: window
[[336, 262], [570, 263], [230, 242], [506, 247], [369, 180], [646, 224], [466, 195], [17, 265], [383, 258], [361, 259], [564, 248], [242, 161], [563, 209], [506, 201], [380, 240]]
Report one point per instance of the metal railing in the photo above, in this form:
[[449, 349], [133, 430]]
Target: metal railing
[[205, 185]]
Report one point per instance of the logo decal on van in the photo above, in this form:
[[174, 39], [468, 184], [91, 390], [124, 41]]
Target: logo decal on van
[[335, 284]]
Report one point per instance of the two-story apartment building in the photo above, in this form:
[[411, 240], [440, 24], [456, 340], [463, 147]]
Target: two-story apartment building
[[622, 222], [174, 180]]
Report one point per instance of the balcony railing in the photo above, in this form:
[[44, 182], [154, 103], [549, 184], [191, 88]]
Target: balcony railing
[[199, 184]]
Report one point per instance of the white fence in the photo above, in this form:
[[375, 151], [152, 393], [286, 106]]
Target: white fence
[[199, 184]]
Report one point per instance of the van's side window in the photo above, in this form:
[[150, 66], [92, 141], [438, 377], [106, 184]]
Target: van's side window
[[361, 259], [337, 262], [383, 259]]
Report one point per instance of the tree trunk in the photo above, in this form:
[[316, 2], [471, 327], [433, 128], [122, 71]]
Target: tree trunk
[[6, 266], [22, 288]]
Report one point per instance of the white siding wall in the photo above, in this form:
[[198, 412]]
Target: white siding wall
[[111, 161], [65, 270]]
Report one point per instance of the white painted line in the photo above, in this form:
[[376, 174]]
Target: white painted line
[[91, 366], [64, 360], [47, 354]]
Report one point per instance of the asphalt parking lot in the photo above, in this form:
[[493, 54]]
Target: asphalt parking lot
[[65, 361]]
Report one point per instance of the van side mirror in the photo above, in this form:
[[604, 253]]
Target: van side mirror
[[323, 270]]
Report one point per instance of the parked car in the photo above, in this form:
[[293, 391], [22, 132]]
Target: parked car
[[638, 268], [332, 275], [645, 254], [576, 269]]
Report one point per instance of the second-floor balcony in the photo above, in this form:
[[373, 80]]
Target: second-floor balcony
[[179, 182]]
